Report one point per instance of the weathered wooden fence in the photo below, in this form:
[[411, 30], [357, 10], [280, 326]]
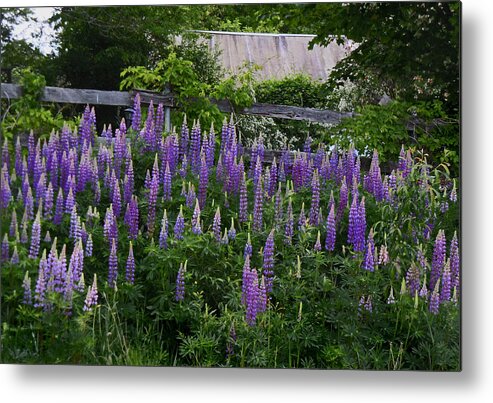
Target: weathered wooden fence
[[122, 98]]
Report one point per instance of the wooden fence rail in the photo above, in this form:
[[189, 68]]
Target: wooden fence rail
[[121, 98]]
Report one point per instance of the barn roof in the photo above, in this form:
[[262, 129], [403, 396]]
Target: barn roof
[[278, 54]]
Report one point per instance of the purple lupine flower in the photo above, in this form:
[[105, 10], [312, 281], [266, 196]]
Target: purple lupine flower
[[29, 205], [219, 170], [245, 279], [402, 159], [435, 299], [59, 208], [25, 186], [76, 265], [40, 290], [278, 210], [73, 223], [302, 221], [315, 199], [353, 221], [391, 298], [97, 192], [137, 114], [369, 304], [343, 199], [147, 180], [19, 169], [454, 262], [110, 228], [195, 145], [225, 239], [248, 248], [24, 237], [179, 225], [132, 218], [253, 157], [113, 266], [257, 172], [163, 235], [232, 230], [216, 225], [368, 260], [318, 246], [438, 261], [15, 256], [268, 264], [191, 196], [446, 288], [5, 192], [413, 280], [289, 228], [252, 298], [243, 211], [129, 182], [180, 282], [159, 125], [130, 267], [167, 183], [203, 181], [149, 128], [262, 297], [258, 207], [423, 292], [13, 228], [152, 199], [361, 305], [48, 204], [30, 153], [26, 285], [116, 199], [331, 230], [196, 217], [184, 137], [69, 202], [297, 175], [92, 295], [5, 154], [35, 237], [273, 178], [4, 255], [453, 194], [183, 169], [58, 272], [89, 246], [360, 233], [383, 256]]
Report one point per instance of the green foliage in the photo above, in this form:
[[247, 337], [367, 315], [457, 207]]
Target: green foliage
[[295, 90], [192, 96], [411, 50], [384, 127], [27, 113]]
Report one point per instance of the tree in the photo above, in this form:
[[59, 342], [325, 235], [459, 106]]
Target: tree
[[16, 53], [410, 50], [97, 43]]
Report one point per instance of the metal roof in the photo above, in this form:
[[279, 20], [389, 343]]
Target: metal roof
[[279, 55]]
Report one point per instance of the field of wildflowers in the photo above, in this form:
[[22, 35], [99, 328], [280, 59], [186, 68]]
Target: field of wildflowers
[[139, 247]]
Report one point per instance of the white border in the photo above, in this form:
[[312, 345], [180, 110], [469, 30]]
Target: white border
[[474, 383]]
